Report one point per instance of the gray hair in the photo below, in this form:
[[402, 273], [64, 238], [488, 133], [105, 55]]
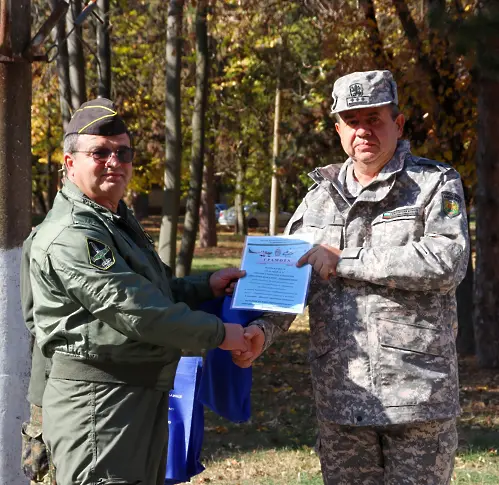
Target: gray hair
[[70, 146], [394, 108], [71, 143]]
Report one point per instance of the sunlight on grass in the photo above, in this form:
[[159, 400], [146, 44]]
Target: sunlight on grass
[[265, 467], [200, 264], [477, 468], [286, 467]]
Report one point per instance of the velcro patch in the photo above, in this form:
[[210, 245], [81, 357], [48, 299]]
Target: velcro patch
[[401, 213], [451, 204], [100, 255], [358, 100]]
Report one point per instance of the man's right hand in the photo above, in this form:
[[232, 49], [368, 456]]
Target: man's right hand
[[256, 340], [234, 339]]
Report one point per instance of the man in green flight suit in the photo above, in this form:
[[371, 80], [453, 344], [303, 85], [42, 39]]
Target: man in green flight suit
[[110, 315]]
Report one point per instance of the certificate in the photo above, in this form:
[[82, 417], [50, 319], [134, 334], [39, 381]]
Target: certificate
[[272, 281]]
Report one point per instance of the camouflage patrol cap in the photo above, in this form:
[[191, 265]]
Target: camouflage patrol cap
[[96, 117], [364, 90]]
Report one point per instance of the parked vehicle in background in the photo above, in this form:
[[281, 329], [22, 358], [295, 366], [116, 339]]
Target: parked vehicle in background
[[218, 208], [255, 216]]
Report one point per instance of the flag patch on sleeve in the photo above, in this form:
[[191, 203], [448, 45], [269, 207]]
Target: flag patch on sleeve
[[451, 204], [100, 255]]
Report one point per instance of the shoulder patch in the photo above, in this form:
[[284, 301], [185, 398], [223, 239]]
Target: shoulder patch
[[451, 204], [100, 255]]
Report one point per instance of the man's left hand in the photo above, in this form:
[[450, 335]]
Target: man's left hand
[[323, 259], [223, 281]]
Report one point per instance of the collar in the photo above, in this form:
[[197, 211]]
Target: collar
[[73, 192], [336, 174], [396, 164]]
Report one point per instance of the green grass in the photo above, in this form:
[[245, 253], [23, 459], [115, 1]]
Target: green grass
[[476, 468], [213, 263]]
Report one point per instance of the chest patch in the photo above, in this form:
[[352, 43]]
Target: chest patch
[[100, 255], [451, 204], [401, 213]]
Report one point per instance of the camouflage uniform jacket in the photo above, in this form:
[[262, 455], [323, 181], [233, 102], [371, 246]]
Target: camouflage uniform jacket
[[105, 308], [382, 333]]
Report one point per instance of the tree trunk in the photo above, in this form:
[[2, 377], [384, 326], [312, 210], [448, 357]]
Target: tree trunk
[[447, 115], [104, 50], [186, 254], [382, 56], [51, 169], [487, 206], [464, 296], [173, 143], [274, 190], [76, 57], [15, 224], [240, 225], [62, 62], [207, 221]]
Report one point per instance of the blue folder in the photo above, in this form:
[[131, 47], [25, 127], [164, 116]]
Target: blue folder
[[185, 423], [226, 388]]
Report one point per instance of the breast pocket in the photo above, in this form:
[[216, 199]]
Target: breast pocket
[[398, 227], [327, 229]]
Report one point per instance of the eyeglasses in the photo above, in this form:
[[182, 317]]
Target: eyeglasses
[[102, 155]]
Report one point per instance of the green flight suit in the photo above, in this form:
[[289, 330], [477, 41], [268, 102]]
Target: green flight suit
[[36, 462], [113, 320]]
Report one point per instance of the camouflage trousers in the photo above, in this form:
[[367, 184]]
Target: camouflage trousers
[[36, 461], [409, 454]]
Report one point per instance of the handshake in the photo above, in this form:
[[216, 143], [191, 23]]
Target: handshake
[[245, 344]]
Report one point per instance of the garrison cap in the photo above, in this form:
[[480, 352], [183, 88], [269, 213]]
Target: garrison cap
[[364, 90], [96, 117]]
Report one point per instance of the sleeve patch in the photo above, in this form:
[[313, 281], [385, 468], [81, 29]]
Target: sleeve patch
[[451, 204], [100, 255]]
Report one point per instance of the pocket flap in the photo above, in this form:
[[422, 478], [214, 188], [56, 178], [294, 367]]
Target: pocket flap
[[322, 221], [405, 336]]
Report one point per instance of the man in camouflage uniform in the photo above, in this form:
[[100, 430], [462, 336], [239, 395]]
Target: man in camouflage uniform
[[391, 246], [110, 316]]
